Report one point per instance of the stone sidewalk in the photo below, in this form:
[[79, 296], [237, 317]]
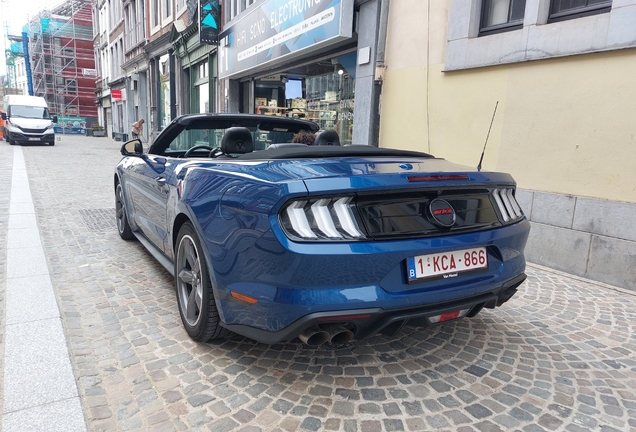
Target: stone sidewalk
[[561, 355]]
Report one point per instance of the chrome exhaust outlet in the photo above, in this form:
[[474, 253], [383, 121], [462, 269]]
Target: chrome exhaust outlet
[[314, 336], [338, 334]]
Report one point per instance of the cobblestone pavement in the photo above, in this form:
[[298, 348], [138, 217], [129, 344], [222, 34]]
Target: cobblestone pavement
[[561, 355]]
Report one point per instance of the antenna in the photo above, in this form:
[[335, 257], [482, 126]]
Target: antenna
[[484, 150]]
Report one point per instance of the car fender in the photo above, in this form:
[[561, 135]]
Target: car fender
[[229, 213]]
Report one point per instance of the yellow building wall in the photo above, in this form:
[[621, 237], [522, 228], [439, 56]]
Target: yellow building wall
[[565, 125]]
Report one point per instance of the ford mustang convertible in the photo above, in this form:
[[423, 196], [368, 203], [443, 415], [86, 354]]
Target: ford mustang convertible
[[275, 240]]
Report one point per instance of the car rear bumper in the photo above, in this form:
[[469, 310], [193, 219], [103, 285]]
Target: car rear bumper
[[296, 285], [367, 322]]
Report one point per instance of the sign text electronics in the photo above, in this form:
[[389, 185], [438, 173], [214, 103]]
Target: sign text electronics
[[280, 30]]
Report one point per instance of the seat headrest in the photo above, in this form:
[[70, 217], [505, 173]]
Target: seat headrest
[[237, 140], [327, 138]]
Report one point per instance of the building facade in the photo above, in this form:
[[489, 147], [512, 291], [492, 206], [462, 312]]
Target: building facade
[[311, 59], [561, 76], [102, 64], [153, 62], [136, 65], [196, 64], [21, 76], [62, 63], [150, 64]]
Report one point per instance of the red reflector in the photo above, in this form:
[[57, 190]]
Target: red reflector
[[344, 317], [437, 178], [449, 316]]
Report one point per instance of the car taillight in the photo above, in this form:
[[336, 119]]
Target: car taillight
[[322, 219], [507, 204]]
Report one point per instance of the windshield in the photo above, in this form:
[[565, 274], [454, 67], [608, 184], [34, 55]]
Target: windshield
[[28, 111], [206, 131], [212, 137]]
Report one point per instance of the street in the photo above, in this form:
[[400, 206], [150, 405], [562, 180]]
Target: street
[[561, 355]]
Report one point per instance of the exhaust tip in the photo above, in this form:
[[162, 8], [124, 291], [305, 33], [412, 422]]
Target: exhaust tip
[[338, 334], [314, 336]]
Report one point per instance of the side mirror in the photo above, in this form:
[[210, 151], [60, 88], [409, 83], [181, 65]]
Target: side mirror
[[54, 119], [3, 115], [132, 148]]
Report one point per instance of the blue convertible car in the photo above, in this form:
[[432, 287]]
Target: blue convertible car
[[275, 240]]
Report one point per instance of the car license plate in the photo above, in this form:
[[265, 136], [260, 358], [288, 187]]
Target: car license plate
[[34, 139], [446, 264]]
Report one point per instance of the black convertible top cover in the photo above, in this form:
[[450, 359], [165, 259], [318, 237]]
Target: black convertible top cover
[[323, 152]]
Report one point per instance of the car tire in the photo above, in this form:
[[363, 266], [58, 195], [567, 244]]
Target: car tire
[[52, 143], [123, 227], [195, 298]]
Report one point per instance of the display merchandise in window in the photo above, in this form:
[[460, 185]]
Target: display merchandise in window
[[322, 92]]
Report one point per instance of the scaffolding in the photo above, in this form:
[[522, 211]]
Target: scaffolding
[[63, 59], [11, 53]]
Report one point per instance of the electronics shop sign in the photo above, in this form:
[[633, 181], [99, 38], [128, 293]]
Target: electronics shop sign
[[280, 30]]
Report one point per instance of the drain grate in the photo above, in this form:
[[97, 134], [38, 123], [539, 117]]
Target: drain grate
[[99, 219]]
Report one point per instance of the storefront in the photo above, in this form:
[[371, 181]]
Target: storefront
[[106, 115], [322, 91], [197, 65], [119, 131], [299, 59], [137, 93], [162, 72]]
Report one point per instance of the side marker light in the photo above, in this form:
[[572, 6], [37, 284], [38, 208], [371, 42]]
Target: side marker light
[[244, 298]]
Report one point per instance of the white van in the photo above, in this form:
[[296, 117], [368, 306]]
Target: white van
[[27, 120]]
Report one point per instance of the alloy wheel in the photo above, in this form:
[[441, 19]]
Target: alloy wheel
[[125, 232], [189, 280], [120, 210]]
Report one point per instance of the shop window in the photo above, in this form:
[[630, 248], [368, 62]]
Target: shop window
[[501, 15], [561, 10], [204, 97], [165, 104], [330, 102], [322, 92], [120, 117]]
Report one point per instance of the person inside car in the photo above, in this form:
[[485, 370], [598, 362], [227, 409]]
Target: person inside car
[[304, 137]]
